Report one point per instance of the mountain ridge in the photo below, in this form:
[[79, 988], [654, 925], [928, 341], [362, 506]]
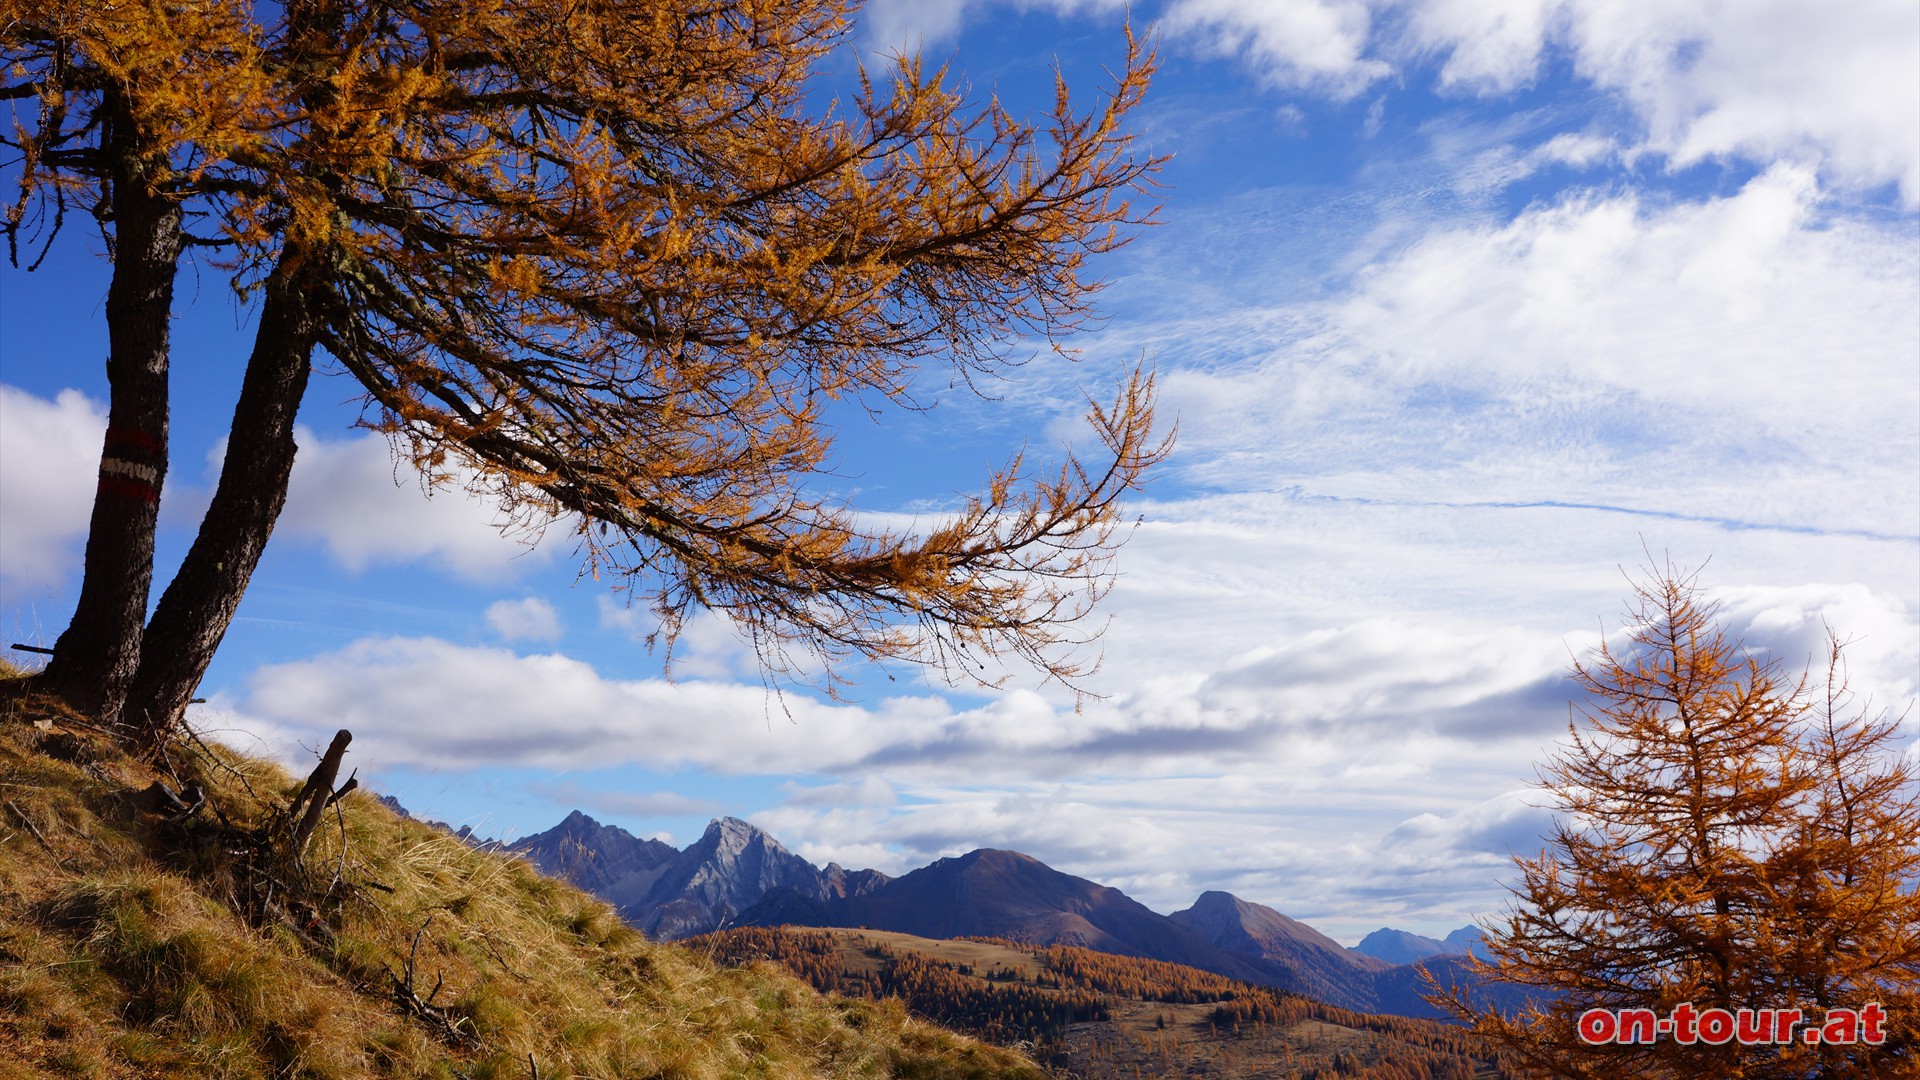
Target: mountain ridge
[[739, 875], [997, 893]]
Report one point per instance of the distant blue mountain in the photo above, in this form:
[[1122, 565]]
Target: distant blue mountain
[[1403, 947], [1471, 940], [1400, 946]]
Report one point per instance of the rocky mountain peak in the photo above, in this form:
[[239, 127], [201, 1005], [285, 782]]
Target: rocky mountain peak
[[729, 837], [603, 859], [731, 866]]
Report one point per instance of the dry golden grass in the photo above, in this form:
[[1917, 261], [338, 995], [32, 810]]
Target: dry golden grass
[[981, 956], [123, 952]]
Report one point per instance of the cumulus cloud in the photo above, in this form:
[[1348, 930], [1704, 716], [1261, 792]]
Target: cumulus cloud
[[49, 458], [708, 646], [1273, 836], [1783, 79], [1796, 80], [1385, 676], [526, 619], [911, 25], [1511, 823], [352, 496], [1790, 624], [425, 703], [349, 495], [1827, 86], [1491, 46], [428, 703], [1313, 44]]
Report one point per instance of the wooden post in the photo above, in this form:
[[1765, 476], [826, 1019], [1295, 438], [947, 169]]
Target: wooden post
[[317, 794]]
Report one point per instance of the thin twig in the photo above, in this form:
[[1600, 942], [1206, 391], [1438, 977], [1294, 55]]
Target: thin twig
[[340, 870], [37, 835], [494, 950], [424, 1009], [207, 752]]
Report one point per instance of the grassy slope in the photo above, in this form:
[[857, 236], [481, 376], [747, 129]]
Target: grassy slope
[[122, 953]]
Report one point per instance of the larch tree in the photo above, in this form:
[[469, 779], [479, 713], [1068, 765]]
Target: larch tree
[[602, 262], [122, 110], [1728, 837]]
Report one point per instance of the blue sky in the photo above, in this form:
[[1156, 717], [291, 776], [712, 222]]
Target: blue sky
[[1459, 305]]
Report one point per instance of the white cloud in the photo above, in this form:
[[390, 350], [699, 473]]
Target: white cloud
[[49, 460], [890, 26], [1492, 45], [911, 25], [708, 646], [1497, 167], [1881, 635], [423, 703], [527, 619], [1345, 773], [1312, 44], [1512, 823], [1569, 148], [369, 509], [1392, 676], [426, 703], [1830, 86], [1280, 836], [1827, 84], [348, 494], [1747, 358]]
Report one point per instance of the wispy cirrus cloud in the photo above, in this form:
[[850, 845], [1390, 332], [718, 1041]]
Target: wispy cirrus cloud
[[576, 796], [1745, 358]]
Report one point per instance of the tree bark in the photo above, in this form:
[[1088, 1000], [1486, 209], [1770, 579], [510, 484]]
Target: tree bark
[[95, 658], [197, 607]]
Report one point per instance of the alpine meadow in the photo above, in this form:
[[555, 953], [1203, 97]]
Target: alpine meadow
[[960, 539]]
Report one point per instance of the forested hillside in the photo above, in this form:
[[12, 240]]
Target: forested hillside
[[1095, 1015]]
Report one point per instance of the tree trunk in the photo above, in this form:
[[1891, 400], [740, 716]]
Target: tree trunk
[[194, 612], [95, 658]]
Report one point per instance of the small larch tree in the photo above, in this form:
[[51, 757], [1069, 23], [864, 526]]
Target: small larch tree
[[1728, 837], [605, 262]]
